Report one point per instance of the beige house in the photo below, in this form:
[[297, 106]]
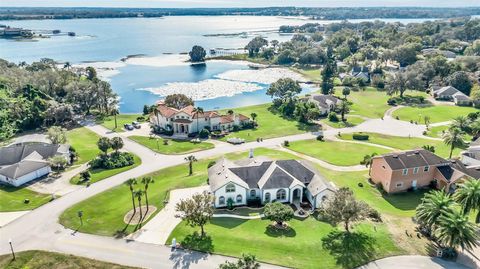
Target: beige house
[[401, 171]]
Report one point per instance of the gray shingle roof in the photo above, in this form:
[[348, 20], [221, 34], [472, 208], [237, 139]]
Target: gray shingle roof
[[251, 174], [278, 179], [297, 170], [412, 158]]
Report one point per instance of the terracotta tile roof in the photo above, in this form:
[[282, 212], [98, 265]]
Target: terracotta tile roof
[[226, 119], [206, 114], [243, 117], [166, 111], [188, 110]]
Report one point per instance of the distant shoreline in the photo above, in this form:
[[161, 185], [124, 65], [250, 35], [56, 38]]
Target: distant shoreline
[[327, 13]]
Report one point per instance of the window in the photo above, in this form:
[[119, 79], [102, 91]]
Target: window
[[324, 198], [281, 194], [230, 188], [221, 200], [239, 198], [425, 169], [253, 193], [399, 184], [415, 170], [405, 171], [267, 197]]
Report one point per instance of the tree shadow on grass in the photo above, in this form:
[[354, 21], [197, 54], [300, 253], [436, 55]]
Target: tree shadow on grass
[[185, 258], [228, 223], [349, 249], [196, 242], [273, 231]]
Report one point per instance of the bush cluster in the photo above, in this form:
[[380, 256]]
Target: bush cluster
[[360, 136], [113, 160]]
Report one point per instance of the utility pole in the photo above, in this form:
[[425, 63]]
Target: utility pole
[[11, 248]]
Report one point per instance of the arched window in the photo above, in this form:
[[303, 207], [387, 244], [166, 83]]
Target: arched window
[[253, 193], [267, 197], [221, 200], [239, 198], [281, 194], [324, 198], [230, 188]]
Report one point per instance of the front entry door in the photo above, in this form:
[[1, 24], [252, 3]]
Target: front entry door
[[414, 184]]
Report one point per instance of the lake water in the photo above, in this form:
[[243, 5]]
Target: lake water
[[109, 40]]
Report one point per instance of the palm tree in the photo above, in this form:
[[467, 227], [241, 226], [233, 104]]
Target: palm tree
[[130, 183], [367, 161], [67, 65], [434, 205], [426, 119], [460, 122], [146, 181], [475, 129], [344, 108], [116, 143], [139, 194], [468, 196], [115, 112], [454, 230], [190, 159], [197, 111], [454, 138]]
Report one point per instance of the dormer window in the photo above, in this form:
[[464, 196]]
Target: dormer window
[[230, 188]]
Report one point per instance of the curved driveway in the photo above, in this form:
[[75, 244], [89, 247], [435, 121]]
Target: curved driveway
[[40, 229]]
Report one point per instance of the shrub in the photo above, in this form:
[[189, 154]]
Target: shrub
[[320, 137], [332, 116], [114, 160], [204, 133], [236, 128], [26, 201], [391, 101], [360, 136], [286, 143], [374, 215], [210, 164], [165, 142], [194, 134], [230, 203], [254, 202], [141, 118]]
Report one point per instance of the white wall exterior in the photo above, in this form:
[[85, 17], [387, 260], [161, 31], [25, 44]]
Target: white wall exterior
[[26, 178], [273, 195], [239, 190], [318, 199]]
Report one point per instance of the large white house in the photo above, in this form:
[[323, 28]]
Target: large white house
[[187, 120], [285, 181], [24, 162], [325, 103]]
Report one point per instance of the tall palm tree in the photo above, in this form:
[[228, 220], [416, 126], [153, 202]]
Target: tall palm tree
[[139, 194], [460, 122], [475, 129], [197, 111], [115, 112], [454, 230], [67, 65], [454, 138], [146, 181], [130, 183], [254, 116], [468, 196], [367, 161], [434, 205], [190, 159]]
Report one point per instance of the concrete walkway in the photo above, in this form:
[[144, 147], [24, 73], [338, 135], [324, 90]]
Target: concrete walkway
[[158, 229], [412, 262], [7, 217]]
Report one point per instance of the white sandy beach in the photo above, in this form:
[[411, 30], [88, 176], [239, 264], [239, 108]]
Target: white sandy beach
[[205, 89], [263, 76]]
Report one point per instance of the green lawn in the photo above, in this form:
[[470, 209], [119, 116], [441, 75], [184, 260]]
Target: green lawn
[[300, 246], [12, 199], [351, 121], [438, 131], [84, 142], [270, 124], [173, 147], [313, 74], [99, 174], [109, 122], [337, 153], [369, 103], [404, 143], [104, 212], [38, 259], [436, 113]]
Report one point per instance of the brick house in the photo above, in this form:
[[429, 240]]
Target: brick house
[[400, 171]]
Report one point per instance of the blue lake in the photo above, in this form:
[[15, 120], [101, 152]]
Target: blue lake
[[109, 40]]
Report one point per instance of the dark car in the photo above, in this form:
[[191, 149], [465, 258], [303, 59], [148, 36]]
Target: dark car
[[128, 127], [136, 124]]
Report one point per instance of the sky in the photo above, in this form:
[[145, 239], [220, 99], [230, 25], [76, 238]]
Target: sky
[[235, 3]]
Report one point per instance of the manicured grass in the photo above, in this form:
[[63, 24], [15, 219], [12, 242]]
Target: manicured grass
[[103, 213], [100, 174], [84, 142], [405, 143], [241, 211], [173, 146], [36, 259], [438, 131], [269, 124], [312, 74], [337, 153], [12, 199], [300, 246], [351, 121], [436, 113], [369, 103], [109, 122]]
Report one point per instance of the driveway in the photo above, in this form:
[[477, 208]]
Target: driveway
[[157, 230], [412, 262], [58, 185]]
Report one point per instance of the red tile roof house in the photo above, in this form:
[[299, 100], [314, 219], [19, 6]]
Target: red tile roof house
[[184, 121], [401, 171]]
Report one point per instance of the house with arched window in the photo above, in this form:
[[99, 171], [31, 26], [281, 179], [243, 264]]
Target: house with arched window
[[264, 180]]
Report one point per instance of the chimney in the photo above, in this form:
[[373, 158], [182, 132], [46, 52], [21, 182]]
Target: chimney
[[250, 155]]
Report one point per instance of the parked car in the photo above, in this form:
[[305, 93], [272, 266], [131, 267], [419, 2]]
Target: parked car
[[136, 124], [128, 127]]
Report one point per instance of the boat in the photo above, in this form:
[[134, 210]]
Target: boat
[[71, 34]]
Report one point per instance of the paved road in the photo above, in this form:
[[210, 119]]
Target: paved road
[[412, 262], [39, 229]]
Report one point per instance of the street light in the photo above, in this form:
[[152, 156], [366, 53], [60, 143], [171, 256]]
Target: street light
[[11, 248], [80, 214]]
